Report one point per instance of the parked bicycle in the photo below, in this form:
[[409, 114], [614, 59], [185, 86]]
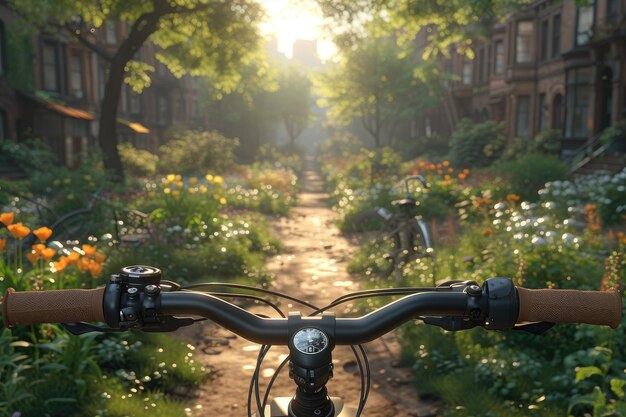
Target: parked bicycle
[[404, 236], [138, 299]]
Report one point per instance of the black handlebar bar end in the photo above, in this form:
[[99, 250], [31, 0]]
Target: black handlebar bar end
[[111, 302], [503, 304]]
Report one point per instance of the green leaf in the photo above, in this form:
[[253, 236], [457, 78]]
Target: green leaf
[[586, 372], [617, 386]]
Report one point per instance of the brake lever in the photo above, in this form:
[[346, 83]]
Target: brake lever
[[452, 324], [535, 328], [171, 324]]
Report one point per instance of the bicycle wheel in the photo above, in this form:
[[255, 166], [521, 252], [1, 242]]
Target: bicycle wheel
[[373, 218]]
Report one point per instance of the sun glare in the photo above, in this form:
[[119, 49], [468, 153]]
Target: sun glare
[[290, 20]]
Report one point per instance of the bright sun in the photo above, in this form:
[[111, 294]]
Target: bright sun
[[289, 20]]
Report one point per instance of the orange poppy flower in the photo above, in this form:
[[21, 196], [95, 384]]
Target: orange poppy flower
[[100, 257], [7, 218], [33, 256], [72, 258], [60, 265], [95, 268], [82, 264], [3, 244], [48, 254], [512, 197], [18, 230], [43, 233], [90, 250], [38, 247]]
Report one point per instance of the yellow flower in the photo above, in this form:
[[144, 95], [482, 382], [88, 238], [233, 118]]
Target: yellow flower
[[180, 184], [209, 177], [171, 177], [178, 177], [18, 230], [167, 190], [222, 200], [192, 191], [218, 179], [43, 233], [3, 244], [56, 182], [7, 218], [203, 189], [176, 193], [67, 181], [70, 196], [193, 180]]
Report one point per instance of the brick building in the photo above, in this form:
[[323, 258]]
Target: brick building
[[53, 91], [553, 65]]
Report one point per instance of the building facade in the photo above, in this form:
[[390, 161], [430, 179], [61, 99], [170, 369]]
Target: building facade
[[553, 65], [54, 90]]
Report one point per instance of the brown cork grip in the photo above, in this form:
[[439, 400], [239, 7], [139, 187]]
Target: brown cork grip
[[59, 306], [570, 306]]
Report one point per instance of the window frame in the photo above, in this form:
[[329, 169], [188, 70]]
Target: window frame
[[556, 36], [518, 125], [590, 32], [499, 58]]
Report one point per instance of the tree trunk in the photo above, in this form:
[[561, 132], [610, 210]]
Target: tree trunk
[[107, 130]]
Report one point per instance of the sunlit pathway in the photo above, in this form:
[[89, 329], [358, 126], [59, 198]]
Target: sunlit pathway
[[312, 266]]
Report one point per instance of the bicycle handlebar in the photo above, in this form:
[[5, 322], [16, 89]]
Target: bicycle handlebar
[[496, 310]]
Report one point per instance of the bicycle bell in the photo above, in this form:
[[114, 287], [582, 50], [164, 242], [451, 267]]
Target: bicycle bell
[[140, 276]]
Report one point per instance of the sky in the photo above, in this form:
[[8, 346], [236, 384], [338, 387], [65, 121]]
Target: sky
[[289, 20]]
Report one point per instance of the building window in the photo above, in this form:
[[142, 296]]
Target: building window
[[480, 65], [524, 42], [523, 113], [135, 103], [557, 112], [3, 61], [543, 52], [76, 75], [102, 79], [466, 78], [543, 110], [584, 23], [577, 102], [498, 68], [612, 11], [124, 98], [50, 67], [162, 110], [111, 32], [3, 125], [556, 36]]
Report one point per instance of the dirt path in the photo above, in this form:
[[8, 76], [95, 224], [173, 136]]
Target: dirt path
[[312, 266]]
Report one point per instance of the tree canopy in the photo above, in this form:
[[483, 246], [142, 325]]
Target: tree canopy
[[447, 23], [198, 37], [294, 101], [379, 85]]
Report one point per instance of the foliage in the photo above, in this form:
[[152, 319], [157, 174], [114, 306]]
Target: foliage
[[270, 156], [613, 133], [293, 101], [457, 22], [529, 172], [137, 162], [604, 191], [212, 40], [31, 155], [476, 144], [195, 152], [377, 85], [19, 52]]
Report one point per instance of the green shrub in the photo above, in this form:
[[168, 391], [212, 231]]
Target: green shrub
[[476, 144], [30, 155], [530, 172], [548, 141], [137, 162], [196, 152]]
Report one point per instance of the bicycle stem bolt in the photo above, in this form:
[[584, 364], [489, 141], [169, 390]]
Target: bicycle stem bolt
[[473, 290]]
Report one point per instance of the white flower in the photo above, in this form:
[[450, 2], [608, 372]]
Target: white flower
[[568, 238], [538, 241]]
